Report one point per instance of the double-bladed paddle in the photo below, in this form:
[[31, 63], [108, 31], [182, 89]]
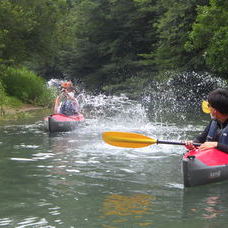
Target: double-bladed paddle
[[134, 140]]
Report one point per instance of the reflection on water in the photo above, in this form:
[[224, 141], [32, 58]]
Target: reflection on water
[[127, 205], [211, 211], [207, 203], [121, 208]]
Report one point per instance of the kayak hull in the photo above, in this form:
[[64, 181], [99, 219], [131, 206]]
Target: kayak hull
[[204, 167], [62, 123]]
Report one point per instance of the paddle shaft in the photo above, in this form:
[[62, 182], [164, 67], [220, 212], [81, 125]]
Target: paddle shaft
[[134, 140], [175, 143]]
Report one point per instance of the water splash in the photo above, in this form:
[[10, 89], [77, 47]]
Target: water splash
[[162, 105], [114, 113], [180, 96]]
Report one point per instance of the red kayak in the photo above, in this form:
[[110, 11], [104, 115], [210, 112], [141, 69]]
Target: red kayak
[[62, 123], [204, 166]]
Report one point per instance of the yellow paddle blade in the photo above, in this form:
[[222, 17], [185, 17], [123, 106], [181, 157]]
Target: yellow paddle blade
[[205, 107], [125, 139]]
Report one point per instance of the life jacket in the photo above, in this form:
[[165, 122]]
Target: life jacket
[[69, 108], [223, 137]]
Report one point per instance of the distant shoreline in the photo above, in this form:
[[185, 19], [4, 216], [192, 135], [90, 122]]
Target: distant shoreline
[[12, 113], [23, 108]]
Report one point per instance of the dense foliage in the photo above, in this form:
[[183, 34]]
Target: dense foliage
[[209, 36], [105, 43], [25, 85], [2, 99]]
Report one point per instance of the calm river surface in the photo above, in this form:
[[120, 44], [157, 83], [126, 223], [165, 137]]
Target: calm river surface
[[76, 180]]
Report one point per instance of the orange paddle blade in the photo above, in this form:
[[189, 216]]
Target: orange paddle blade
[[125, 139]]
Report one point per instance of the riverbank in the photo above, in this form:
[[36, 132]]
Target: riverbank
[[23, 108], [20, 112]]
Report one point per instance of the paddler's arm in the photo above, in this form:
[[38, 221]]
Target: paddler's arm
[[205, 145], [216, 145], [70, 97], [208, 145], [201, 138], [56, 105]]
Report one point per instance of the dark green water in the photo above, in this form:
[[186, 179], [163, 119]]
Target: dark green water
[[76, 180]]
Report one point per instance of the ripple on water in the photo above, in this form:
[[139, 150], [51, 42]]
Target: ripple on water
[[22, 159], [73, 170], [42, 156], [38, 156], [33, 221], [175, 185], [81, 171], [22, 145], [5, 221]]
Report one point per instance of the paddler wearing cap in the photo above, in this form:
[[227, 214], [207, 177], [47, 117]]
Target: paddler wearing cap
[[215, 135], [66, 103]]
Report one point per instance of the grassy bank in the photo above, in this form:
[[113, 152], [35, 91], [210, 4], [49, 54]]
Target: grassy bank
[[15, 109], [21, 91]]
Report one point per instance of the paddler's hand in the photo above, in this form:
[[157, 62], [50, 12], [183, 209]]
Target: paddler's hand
[[62, 95], [189, 145], [208, 145]]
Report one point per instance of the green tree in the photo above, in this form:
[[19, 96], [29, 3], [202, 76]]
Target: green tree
[[28, 29], [209, 36], [109, 38], [173, 26]]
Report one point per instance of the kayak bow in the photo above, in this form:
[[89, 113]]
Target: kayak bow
[[204, 167], [62, 123]]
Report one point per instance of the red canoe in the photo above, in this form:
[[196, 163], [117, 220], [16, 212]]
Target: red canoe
[[62, 123], [204, 166]]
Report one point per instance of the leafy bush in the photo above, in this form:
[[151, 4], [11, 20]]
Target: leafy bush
[[14, 102], [46, 98], [2, 98], [2, 94], [26, 86]]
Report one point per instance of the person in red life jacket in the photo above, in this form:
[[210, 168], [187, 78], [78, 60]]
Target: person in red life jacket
[[66, 103], [215, 135]]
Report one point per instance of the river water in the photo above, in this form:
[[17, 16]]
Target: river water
[[76, 180]]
